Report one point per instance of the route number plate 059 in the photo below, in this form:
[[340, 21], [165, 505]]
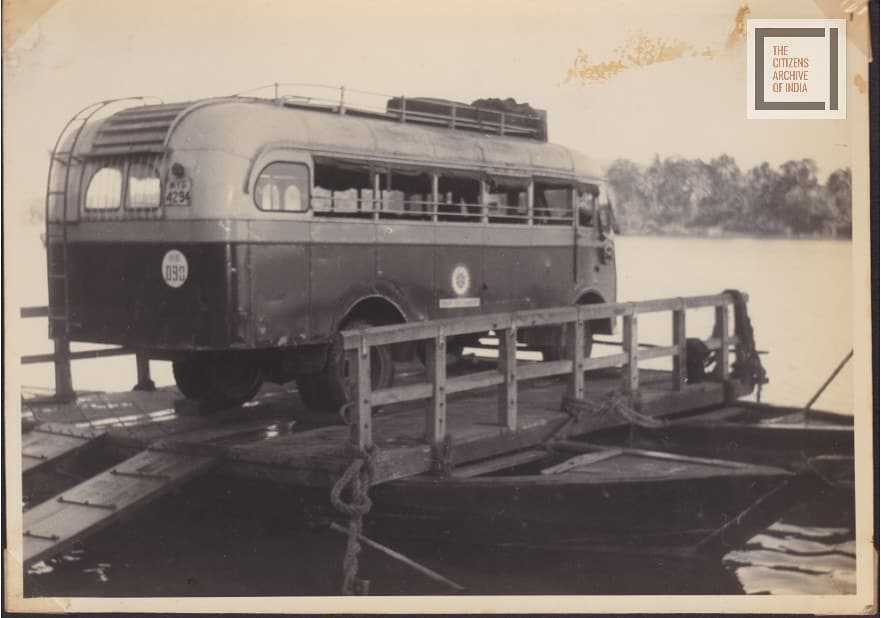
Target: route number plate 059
[[177, 192]]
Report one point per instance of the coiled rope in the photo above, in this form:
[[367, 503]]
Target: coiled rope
[[747, 366], [613, 404], [355, 484]]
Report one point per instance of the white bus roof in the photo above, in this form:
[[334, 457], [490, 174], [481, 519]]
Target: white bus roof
[[246, 126]]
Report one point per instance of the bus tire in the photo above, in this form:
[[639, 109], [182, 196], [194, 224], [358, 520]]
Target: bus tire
[[191, 378], [560, 350], [221, 382], [329, 390], [233, 380]]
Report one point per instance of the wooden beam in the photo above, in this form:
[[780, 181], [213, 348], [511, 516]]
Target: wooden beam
[[544, 369], [436, 412], [359, 371], [34, 312], [31, 359], [657, 352], [507, 399], [680, 360], [724, 343], [499, 463], [576, 385], [63, 380], [630, 375]]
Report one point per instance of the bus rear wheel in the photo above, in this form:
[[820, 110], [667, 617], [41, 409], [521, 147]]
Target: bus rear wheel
[[220, 381], [561, 349], [329, 390]]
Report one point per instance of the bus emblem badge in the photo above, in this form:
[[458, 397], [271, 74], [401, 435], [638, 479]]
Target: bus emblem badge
[[174, 268], [461, 279]]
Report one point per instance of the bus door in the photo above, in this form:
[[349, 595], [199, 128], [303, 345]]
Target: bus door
[[585, 202], [594, 250]]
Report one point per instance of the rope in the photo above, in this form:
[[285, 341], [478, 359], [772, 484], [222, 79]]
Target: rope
[[613, 404], [747, 366], [356, 479]]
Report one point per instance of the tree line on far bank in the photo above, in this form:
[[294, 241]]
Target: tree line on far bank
[[690, 196]]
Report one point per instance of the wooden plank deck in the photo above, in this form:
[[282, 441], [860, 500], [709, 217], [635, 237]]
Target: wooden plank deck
[[275, 437], [57, 523], [47, 443]]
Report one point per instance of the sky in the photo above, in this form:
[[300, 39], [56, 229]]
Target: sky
[[81, 51]]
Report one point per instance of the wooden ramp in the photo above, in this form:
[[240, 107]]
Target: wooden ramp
[[57, 523], [48, 443]]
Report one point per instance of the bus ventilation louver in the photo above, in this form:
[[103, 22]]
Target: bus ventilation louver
[[137, 129]]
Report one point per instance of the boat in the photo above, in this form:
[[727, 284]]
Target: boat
[[797, 439], [585, 496]]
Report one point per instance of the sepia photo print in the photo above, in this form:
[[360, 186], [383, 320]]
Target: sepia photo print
[[449, 306]]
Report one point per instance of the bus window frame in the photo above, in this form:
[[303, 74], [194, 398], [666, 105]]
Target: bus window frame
[[101, 164], [572, 185], [278, 154], [157, 161], [307, 200], [124, 161], [507, 219]]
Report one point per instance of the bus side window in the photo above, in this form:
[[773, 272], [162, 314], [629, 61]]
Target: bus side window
[[342, 189], [408, 194], [507, 200], [458, 197], [553, 203], [282, 187]]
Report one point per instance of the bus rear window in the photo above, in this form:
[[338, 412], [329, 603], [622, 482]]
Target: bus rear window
[[143, 185], [105, 188], [282, 187], [132, 182]]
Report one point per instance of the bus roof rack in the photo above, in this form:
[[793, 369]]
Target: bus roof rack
[[489, 116], [497, 116]]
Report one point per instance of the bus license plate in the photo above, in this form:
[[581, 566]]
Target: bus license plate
[[177, 193]]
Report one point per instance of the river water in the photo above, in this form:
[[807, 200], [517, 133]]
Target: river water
[[219, 537]]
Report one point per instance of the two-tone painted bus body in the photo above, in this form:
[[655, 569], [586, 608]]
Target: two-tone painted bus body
[[243, 233]]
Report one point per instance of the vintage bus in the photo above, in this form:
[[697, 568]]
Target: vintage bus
[[237, 236]]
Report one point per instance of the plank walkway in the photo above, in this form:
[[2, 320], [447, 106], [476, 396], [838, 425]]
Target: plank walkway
[[275, 437], [54, 525]]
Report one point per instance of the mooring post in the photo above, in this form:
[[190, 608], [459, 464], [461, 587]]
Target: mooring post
[[508, 369], [359, 363], [145, 382], [577, 383], [722, 329], [680, 360], [436, 414], [631, 349], [63, 380]]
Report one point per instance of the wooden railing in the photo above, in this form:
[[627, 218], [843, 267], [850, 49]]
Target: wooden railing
[[62, 357], [508, 373]]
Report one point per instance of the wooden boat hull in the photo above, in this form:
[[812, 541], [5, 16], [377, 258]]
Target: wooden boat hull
[[633, 500], [819, 443]]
